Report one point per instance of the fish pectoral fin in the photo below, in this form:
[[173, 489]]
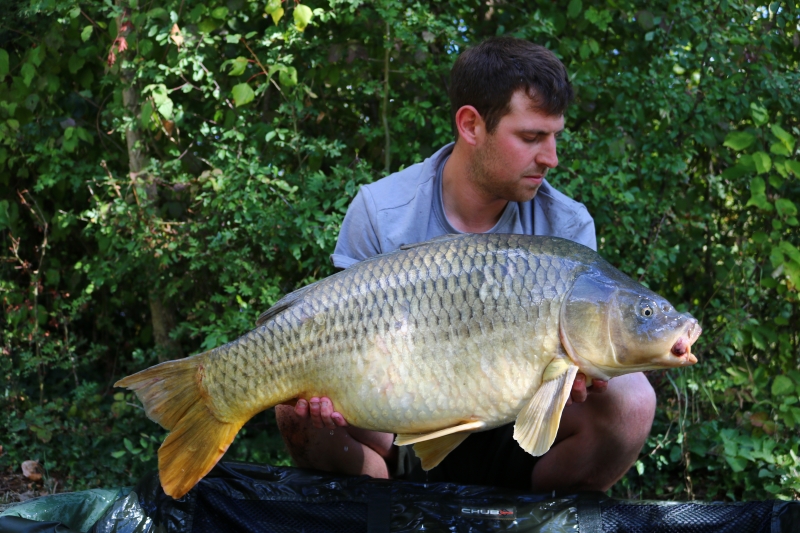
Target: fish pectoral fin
[[404, 439], [432, 452], [537, 423]]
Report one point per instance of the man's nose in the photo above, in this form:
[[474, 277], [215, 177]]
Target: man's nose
[[547, 156]]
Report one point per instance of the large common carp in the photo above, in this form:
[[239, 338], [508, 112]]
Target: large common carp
[[431, 342]]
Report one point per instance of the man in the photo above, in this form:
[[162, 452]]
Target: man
[[508, 97]]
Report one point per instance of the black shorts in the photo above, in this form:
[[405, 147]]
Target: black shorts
[[491, 458]]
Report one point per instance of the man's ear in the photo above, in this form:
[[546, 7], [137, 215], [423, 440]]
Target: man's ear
[[470, 125]]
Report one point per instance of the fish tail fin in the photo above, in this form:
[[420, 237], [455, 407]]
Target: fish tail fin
[[173, 396]]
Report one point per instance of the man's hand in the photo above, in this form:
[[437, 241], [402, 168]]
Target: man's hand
[[580, 391], [321, 412]]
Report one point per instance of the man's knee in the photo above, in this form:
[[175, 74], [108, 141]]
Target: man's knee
[[637, 408]]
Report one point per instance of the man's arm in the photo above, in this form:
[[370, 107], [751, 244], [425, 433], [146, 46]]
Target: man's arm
[[358, 236]]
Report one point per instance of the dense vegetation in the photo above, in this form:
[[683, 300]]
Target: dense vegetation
[[169, 169]]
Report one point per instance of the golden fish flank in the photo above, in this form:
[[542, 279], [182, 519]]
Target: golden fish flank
[[432, 342]]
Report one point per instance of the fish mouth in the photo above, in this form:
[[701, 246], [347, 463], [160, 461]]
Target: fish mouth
[[682, 349]]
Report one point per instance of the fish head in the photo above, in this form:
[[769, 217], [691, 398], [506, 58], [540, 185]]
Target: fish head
[[614, 326]]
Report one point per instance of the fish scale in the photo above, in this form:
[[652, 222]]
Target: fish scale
[[461, 333]]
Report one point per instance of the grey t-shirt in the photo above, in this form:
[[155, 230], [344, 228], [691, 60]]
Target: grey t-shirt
[[406, 207]]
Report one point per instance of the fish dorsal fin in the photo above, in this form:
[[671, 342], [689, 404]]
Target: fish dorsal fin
[[432, 452], [537, 423], [440, 238], [404, 439], [284, 303]]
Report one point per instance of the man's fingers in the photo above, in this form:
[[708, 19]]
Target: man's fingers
[[598, 385], [313, 409], [579, 389], [325, 412], [339, 420], [321, 413], [301, 408]]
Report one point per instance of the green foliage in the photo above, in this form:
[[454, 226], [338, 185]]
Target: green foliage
[[168, 172]]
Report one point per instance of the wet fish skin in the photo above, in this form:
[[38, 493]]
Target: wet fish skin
[[454, 333]]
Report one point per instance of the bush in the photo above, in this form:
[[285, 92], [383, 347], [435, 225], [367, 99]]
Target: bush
[[169, 171]]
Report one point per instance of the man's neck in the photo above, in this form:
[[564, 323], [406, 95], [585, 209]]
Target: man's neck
[[466, 207]]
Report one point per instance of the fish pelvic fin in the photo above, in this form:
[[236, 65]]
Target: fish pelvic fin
[[432, 452], [432, 448], [403, 439], [174, 396], [537, 423]]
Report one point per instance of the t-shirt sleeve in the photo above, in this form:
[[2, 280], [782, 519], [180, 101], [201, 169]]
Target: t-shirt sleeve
[[585, 232], [358, 237]]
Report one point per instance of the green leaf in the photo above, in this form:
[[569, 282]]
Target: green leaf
[[238, 66], [118, 454], [645, 19], [737, 464], [784, 136], [158, 13], [785, 207], [220, 13], [760, 115], [574, 8], [75, 63], [288, 77], [782, 385], [739, 140], [790, 250], [302, 16], [272, 6], [779, 149], [758, 195], [277, 15], [794, 166], [3, 63], [164, 104], [146, 114], [86, 33], [28, 71], [242, 94], [763, 162], [37, 55]]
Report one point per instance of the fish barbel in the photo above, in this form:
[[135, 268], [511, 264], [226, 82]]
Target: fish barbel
[[432, 342]]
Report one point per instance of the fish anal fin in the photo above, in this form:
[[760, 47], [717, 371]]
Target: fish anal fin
[[432, 452], [404, 439], [537, 423]]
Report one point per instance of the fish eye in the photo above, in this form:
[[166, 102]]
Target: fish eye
[[647, 311]]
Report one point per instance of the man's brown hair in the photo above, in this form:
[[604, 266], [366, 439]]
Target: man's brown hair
[[487, 75]]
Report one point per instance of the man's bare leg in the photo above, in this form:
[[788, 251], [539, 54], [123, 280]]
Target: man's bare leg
[[317, 438], [600, 439]]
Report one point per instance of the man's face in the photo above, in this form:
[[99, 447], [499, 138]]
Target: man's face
[[511, 162]]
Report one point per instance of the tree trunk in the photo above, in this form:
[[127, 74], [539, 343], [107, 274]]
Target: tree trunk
[[161, 314]]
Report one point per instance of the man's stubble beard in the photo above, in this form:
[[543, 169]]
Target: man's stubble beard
[[483, 172]]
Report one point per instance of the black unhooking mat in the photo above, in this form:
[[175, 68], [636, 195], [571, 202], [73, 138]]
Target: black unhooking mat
[[248, 498]]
